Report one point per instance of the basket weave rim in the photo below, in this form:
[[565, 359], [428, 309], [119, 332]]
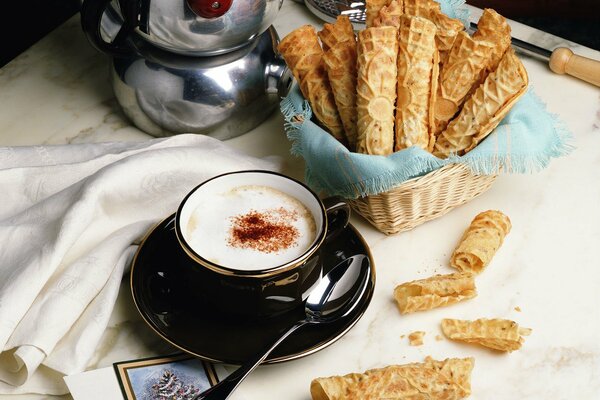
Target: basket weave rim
[[422, 198], [435, 174]]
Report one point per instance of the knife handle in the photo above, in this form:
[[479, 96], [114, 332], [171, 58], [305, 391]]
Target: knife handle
[[563, 61]]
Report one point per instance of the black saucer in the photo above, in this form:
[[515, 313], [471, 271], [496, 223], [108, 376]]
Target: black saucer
[[196, 329]]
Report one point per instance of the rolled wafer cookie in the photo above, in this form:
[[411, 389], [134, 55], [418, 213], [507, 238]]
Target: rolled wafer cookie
[[493, 28], [447, 31], [304, 56], [420, 8], [390, 15], [449, 380], [458, 75], [376, 92], [340, 31], [480, 242], [372, 8], [447, 28], [433, 292], [340, 61], [417, 83], [484, 110], [497, 334]]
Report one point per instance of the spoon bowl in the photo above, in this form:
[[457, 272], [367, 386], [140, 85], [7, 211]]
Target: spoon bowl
[[336, 295], [339, 291]]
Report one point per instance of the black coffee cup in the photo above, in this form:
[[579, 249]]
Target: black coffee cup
[[266, 290]]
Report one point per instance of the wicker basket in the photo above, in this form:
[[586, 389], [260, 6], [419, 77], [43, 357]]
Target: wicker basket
[[422, 199]]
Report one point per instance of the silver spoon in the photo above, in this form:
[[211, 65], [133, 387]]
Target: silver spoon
[[334, 297]]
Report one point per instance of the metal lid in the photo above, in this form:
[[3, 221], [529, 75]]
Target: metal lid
[[328, 10]]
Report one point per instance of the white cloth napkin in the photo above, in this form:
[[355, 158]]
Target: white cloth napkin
[[69, 215]]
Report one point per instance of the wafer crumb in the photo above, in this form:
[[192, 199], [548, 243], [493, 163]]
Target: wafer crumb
[[518, 309], [416, 338], [439, 338]]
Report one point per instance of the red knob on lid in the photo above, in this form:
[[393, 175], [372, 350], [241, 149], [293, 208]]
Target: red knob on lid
[[210, 8]]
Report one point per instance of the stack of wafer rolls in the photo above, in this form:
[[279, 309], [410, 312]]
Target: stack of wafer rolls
[[304, 55], [413, 78]]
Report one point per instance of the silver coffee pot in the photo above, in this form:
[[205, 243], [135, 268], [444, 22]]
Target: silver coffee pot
[[222, 96], [218, 75]]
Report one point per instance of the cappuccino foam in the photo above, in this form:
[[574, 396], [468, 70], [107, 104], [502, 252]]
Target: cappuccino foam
[[251, 228]]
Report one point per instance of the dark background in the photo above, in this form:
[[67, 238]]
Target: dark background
[[576, 20], [24, 22]]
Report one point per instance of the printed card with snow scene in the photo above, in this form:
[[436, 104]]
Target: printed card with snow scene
[[176, 377]]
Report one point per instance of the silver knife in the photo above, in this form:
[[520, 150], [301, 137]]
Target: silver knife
[[561, 60]]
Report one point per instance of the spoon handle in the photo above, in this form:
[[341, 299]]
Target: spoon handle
[[223, 389]]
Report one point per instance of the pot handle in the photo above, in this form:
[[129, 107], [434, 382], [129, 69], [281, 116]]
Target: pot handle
[[279, 78], [91, 19], [278, 74]]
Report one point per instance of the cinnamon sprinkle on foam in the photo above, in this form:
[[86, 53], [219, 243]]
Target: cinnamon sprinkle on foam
[[267, 231]]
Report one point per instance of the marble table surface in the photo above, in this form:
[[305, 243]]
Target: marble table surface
[[549, 267]]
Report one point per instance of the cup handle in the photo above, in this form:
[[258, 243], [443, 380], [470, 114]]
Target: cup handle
[[338, 214]]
